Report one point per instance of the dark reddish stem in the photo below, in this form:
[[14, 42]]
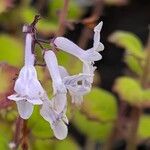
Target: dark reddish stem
[[17, 133], [5, 103], [25, 136]]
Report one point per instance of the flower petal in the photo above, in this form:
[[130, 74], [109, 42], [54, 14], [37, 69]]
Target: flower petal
[[76, 99], [91, 56], [25, 109], [15, 97], [35, 101], [60, 130], [78, 86], [88, 68], [97, 45], [65, 119], [98, 27], [59, 102], [68, 46], [52, 65], [55, 119], [29, 57], [63, 72], [20, 87], [35, 90], [26, 75], [47, 112]]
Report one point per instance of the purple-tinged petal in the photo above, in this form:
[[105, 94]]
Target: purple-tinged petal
[[15, 97], [29, 57], [60, 130], [25, 109]]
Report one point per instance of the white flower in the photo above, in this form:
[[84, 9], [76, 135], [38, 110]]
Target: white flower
[[29, 91], [69, 47], [97, 45], [88, 67], [57, 120], [77, 85], [89, 55], [58, 86]]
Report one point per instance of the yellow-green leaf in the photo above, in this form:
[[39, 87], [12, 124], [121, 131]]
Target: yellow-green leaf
[[129, 41], [100, 104], [129, 90], [74, 10], [144, 131], [65, 144], [92, 129], [11, 50], [71, 63], [40, 128], [133, 64], [101, 111]]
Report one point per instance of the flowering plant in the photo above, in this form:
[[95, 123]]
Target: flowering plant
[[29, 91]]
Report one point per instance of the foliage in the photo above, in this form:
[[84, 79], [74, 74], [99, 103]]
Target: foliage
[[144, 131], [11, 50], [98, 113], [134, 49]]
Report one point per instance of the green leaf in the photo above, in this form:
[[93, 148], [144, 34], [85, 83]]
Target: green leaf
[[55, 144], [74, 10], [65, 144], [5, 135], [28, 14], [92, 129], [71, 63], [101, 106], [129, 41], [40, 144], [47, 25], [129, 90], [146, 94], [3, 142], [143, 130], [133, 64], [11, 50]]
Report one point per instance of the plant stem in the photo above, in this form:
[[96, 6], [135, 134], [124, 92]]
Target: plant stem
[[118, 127], [16, 140], [25, 136], [135, 117]]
